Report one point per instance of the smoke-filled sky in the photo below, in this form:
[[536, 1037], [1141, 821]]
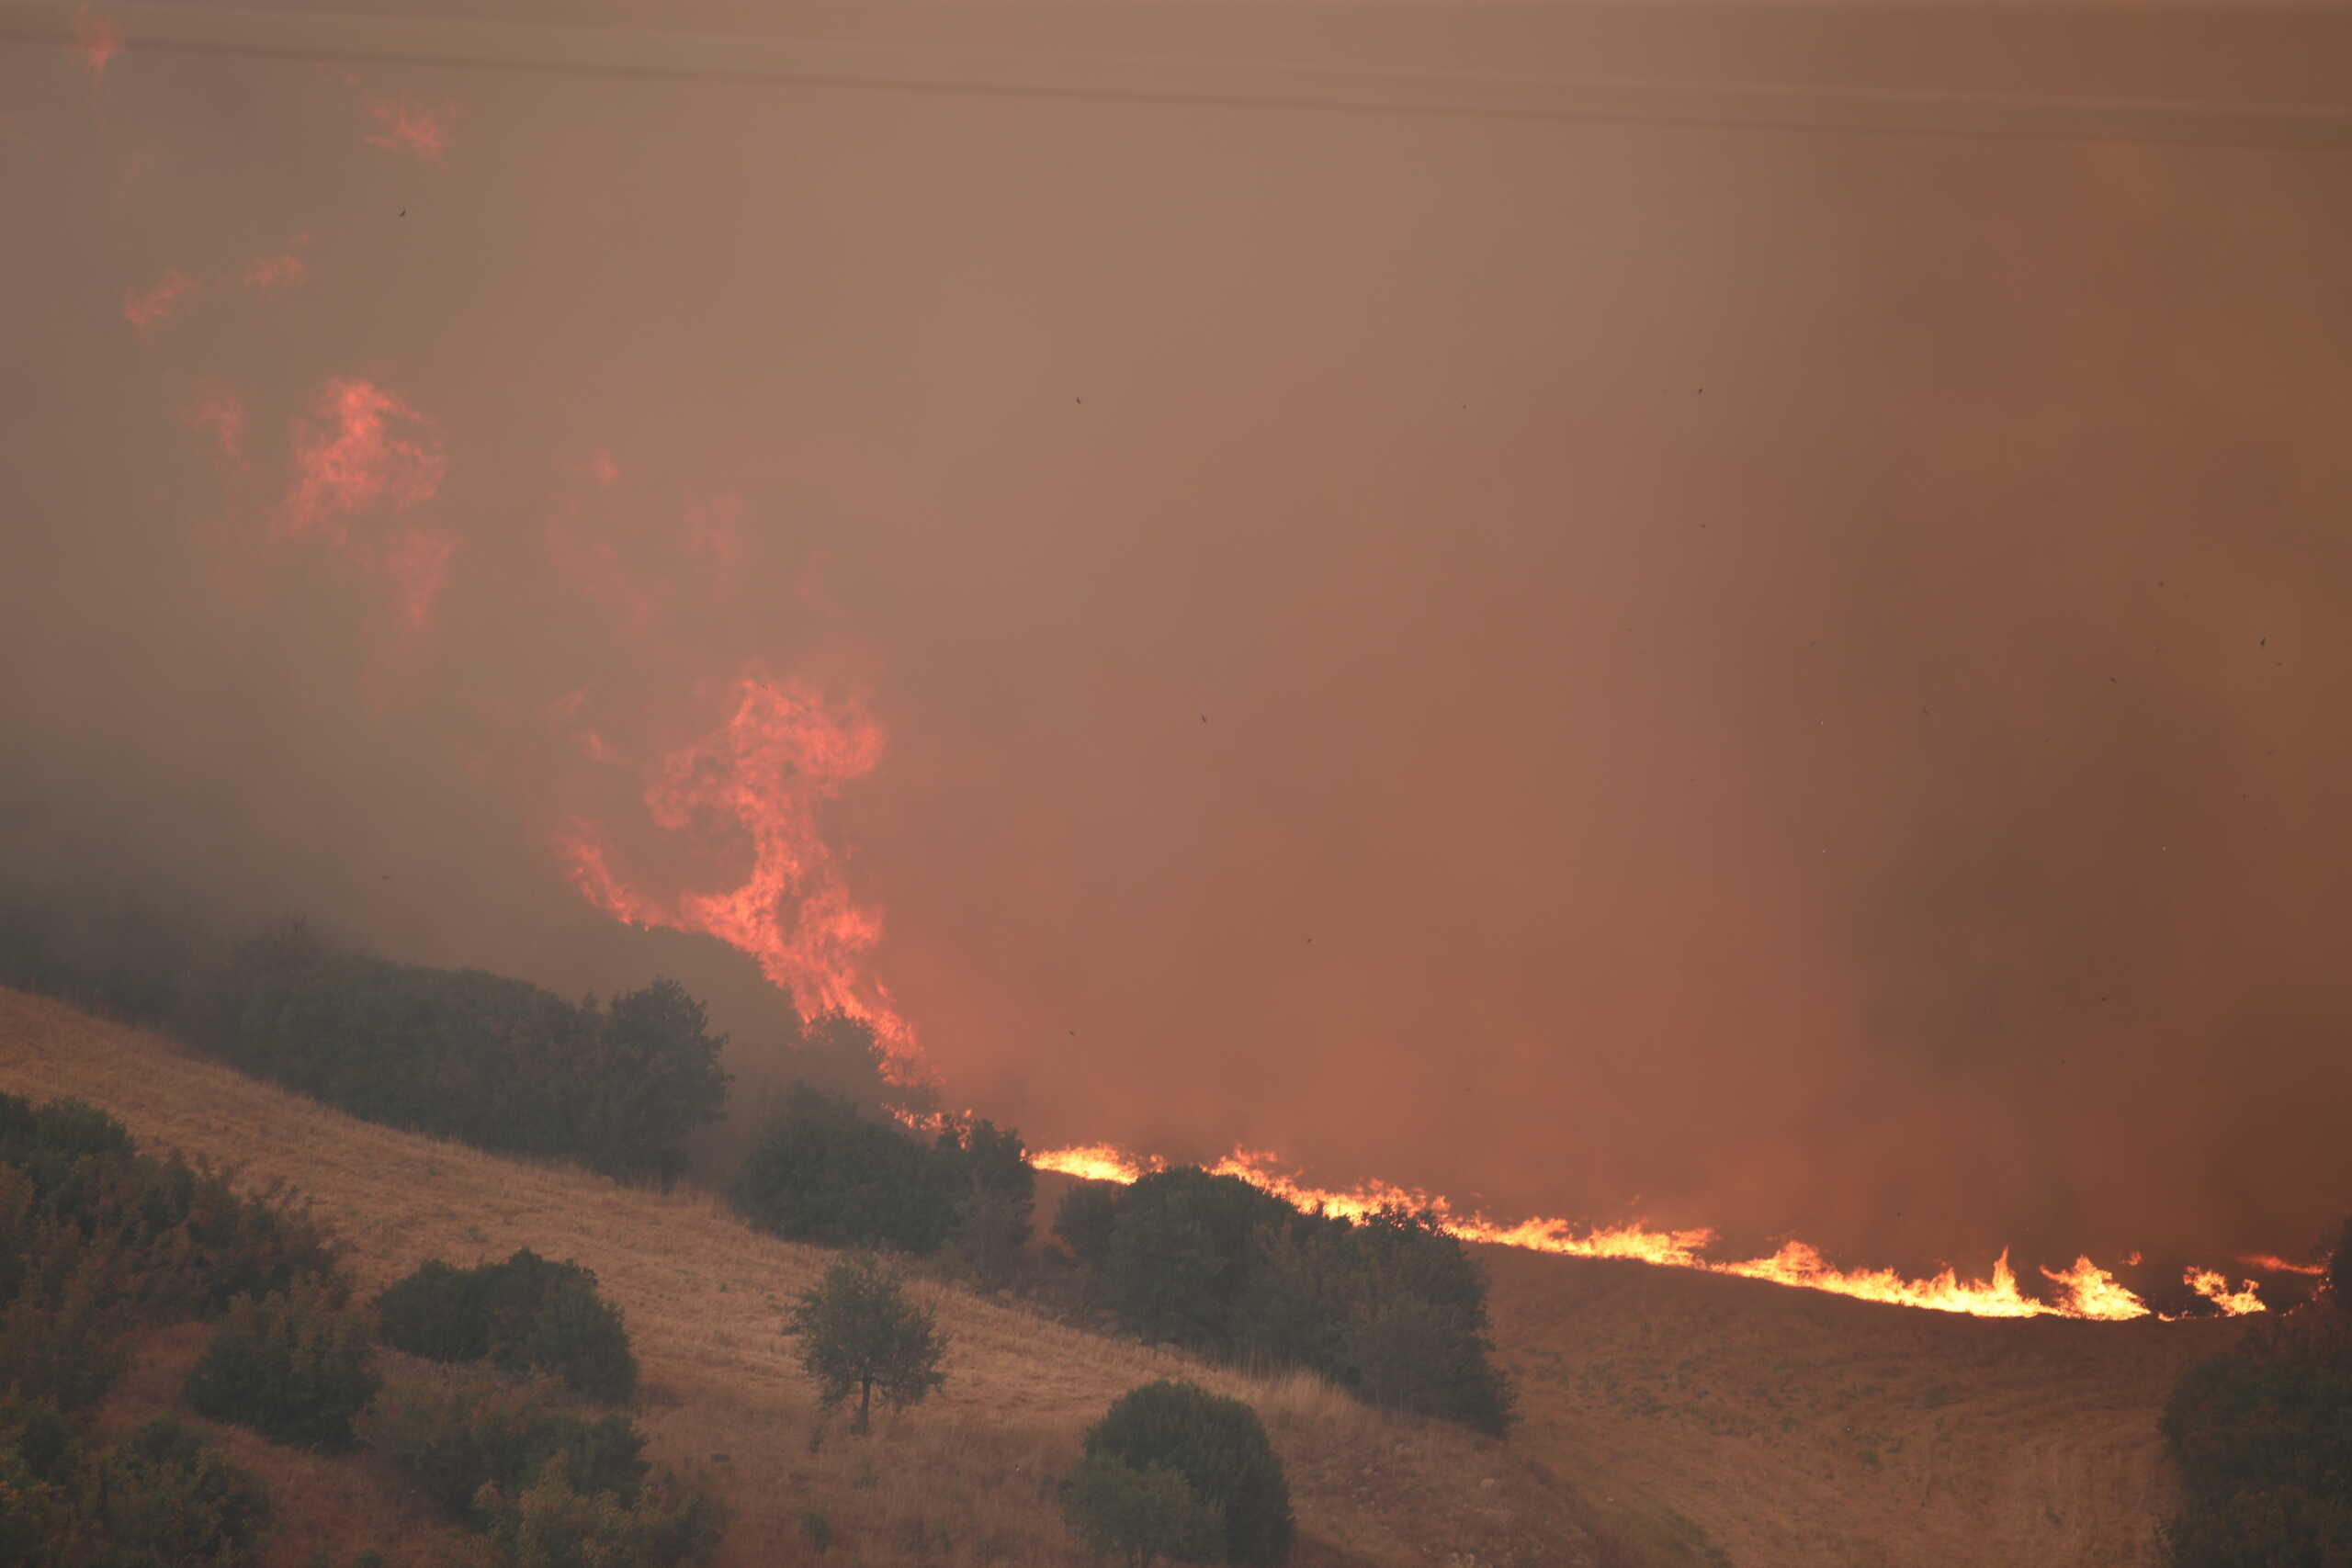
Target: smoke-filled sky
[[1786, 679]]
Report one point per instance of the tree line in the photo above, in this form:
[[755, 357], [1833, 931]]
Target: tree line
[[620, 1086]]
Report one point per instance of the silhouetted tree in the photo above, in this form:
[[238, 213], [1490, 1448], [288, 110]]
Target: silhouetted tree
[[823, 1173], [648, 1077], [860, 1334]]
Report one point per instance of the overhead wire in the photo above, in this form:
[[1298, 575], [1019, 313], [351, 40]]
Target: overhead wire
[[649, 53]]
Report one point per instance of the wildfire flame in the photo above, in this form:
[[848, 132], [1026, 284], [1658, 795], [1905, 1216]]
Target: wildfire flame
[[2269, 1264], [369, 451], [783, 750], [2211, 1285], [2083, 1291], [367, 448]]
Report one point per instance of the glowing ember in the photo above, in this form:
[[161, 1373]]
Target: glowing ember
[[146, 307], [782, 753]]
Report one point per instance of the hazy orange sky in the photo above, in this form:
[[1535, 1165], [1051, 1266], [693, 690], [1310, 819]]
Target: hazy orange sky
[[1786, 679]]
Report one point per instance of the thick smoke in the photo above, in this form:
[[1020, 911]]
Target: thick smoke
[[1785, 681]]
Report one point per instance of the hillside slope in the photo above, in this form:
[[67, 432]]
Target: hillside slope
[[1683, 1417], [1749, 1424], [967, 1478]]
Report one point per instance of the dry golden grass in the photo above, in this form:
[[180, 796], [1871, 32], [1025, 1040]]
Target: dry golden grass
[[1715, 1420], [965, 1479], [1670, 1417]]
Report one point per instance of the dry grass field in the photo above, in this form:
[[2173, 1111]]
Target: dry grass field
[[965, 1478], [1739, 1422], [1670, 1417]]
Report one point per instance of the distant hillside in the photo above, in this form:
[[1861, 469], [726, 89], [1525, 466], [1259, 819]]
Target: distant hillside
[[966, 1479]]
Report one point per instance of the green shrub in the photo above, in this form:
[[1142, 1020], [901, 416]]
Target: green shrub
[[1140, 1516], [451, 1443], [295, 1367], [526, 1314], [551, 1524], [165, 1498], [1085, 1221], [1219, 1449], [177, 1239], [2263, 1438], [65, 1340], [1390, 1305], [437, 1311]]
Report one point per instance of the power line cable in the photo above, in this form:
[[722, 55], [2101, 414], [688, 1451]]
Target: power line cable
[[625, 52]]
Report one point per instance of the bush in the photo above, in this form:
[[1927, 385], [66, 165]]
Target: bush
[[295, 1367], [2263, 1437], [1140, 1514], [526, 1314], [63, 1340], [165, 1498], [1219, 1449], [450, 1444], [551, 1525], [1087, 1216], [170, 1239], [437, 1311]]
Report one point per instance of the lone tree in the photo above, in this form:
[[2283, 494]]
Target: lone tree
[[860, 1334]]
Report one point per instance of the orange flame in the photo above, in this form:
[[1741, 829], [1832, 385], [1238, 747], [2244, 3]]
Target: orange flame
[[370, 448], [147, 308], [783, 752], [2083, 1291], [2275, 1265], [2211, 1285]]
